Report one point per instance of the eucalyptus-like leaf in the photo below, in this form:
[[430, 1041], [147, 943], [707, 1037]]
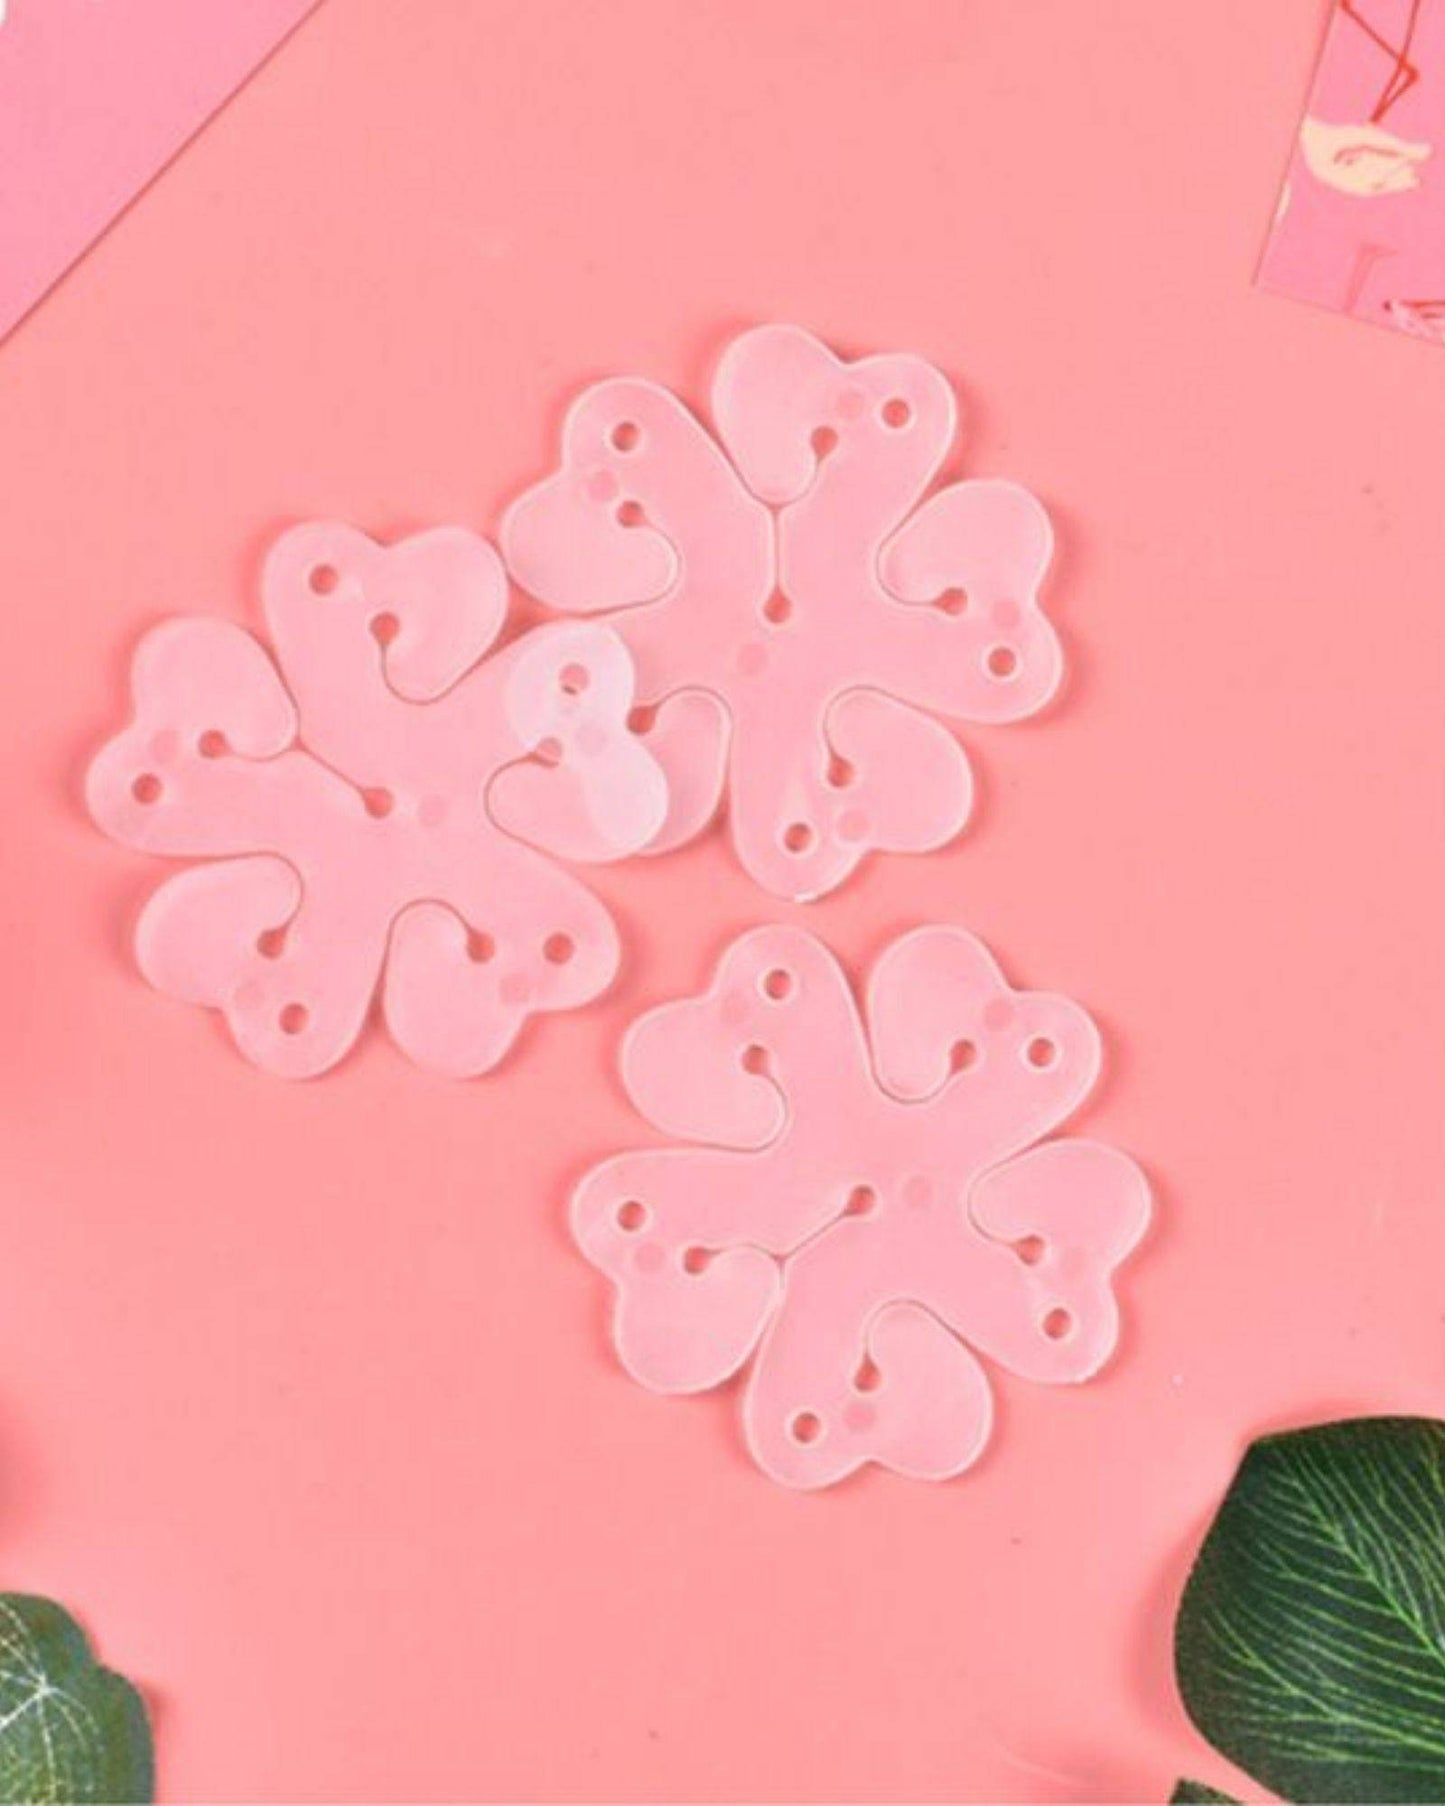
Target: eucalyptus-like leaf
[[1310, 1644], [70, 1730]]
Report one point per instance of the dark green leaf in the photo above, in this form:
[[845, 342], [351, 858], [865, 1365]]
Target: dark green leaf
[[70, 1730], [1195, 1793], [1310, 1646]]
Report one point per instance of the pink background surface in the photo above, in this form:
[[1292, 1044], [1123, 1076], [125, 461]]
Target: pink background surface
[[95, 95], [304, 1397]]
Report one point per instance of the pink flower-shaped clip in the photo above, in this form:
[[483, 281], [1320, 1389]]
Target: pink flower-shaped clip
[[870, 1211], [372, 813], [797, 610]]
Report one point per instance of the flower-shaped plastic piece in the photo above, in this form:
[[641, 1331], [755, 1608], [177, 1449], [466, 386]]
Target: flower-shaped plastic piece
[[871, 1211], [373, 812], [795, 606]]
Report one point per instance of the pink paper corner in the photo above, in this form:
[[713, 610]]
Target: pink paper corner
[[96, 96]]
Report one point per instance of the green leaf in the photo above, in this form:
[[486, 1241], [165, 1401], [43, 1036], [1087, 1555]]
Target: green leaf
[[1310, 1645], [1195, 1793], [70, 1730]]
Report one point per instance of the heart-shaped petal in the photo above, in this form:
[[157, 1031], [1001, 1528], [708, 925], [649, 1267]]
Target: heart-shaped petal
[[927, 1414], [717, 1068], [239, 935], [592, 790], [202, 933], [1079, 1208], [940, 1013], [803, 814], [196, 683], [582, 539], [683, 1069], [909, 788], [991, 654], [783, 403], [686, 1317], [681, 1331], [426, 608]]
